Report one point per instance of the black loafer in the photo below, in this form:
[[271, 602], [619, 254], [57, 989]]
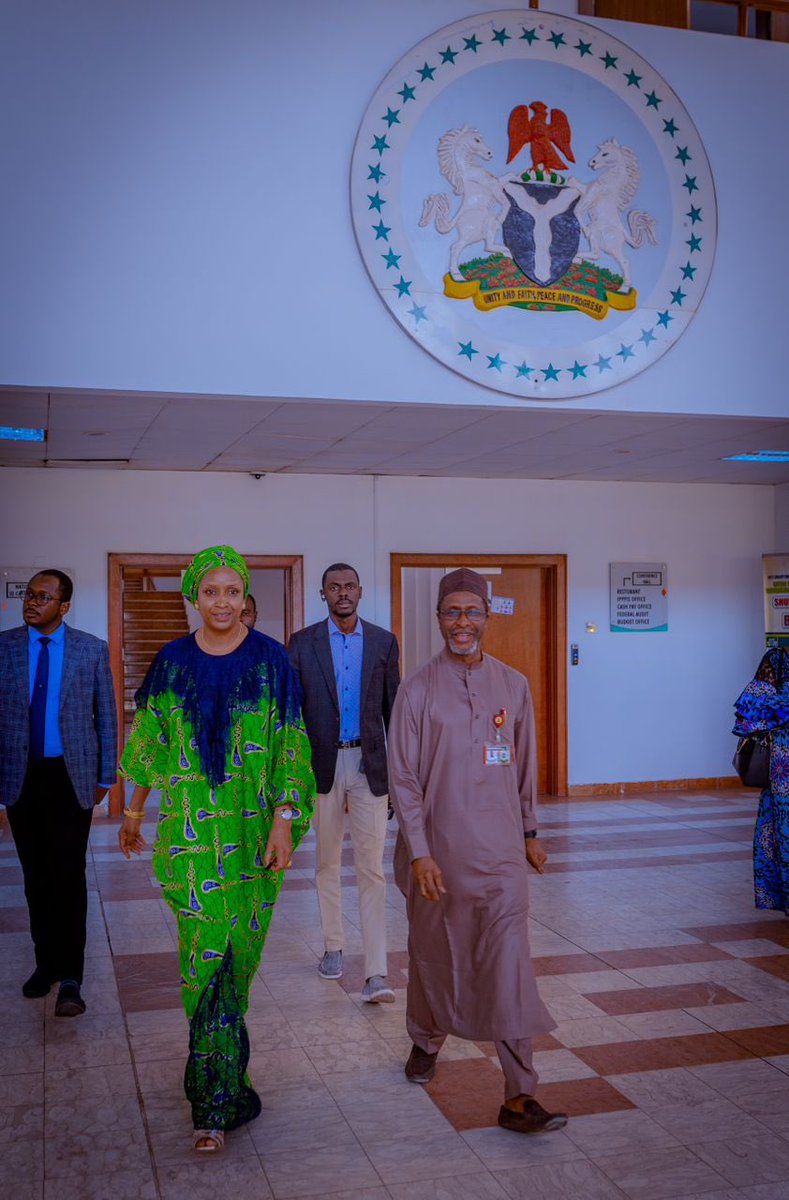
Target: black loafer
[[69, 1002], [533, 1119], [421, 1066], [39, 984]]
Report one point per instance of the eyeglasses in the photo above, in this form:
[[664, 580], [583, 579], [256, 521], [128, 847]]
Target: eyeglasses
[[38, 597], [454, 614]]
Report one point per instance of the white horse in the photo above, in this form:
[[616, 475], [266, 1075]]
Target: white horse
[[604, 200], [483, 203]]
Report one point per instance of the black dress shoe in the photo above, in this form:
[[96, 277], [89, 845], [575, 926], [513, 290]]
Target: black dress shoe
[[39, 984], [421, 1066], [69, 1002], [533, 1119]]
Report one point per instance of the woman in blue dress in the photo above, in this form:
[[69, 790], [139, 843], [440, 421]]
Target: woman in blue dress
[[764, 708]]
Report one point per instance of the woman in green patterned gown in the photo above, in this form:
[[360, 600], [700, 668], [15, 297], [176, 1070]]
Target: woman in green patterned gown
[[218, 730]]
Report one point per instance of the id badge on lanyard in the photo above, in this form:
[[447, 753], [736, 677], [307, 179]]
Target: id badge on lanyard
[[498, 753]]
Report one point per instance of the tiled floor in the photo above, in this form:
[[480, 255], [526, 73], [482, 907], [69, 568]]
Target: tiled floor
[[671, 1051]]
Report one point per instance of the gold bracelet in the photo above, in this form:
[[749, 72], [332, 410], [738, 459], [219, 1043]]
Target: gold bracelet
[[135, 816]]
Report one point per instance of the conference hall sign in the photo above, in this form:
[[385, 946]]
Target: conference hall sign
[[534, 204]]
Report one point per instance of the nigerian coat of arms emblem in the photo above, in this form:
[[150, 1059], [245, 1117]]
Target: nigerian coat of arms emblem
[[534, 204]]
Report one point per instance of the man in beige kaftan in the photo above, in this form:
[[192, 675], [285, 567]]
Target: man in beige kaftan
[[462, 769]]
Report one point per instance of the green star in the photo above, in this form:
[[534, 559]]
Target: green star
[[577, 369], [583, 47], [647, 336], [624, 352], [557, 39], [391, 259], [501, 36], [472, 43], [380, 144], [529, 35], [670, 127], [524, 369], [376, 174], [408, 93], [418, 312], [404, 287], [381, 231], [690, 184], [633, 80], [694, 243], [664, 318], [551, 372], [678, 296], [449, 55], [694, 214], [603, 364], [653, 100], [392, 117], [376, 201], [427, 72], [688, 271], [682, 155], [467, 349], [495, 361], [609, 60]]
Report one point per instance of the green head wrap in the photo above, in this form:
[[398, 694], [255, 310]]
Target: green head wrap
[[209, 560]]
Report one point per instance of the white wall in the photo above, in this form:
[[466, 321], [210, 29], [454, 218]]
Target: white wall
[[641, 706], [781, 519], [176, 215]]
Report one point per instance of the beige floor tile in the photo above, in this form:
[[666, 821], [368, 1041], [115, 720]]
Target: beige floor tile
[[660, 1174], [573, 1180]]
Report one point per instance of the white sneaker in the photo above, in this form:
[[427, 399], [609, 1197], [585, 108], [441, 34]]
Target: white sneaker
[[330, 966], [377, 991]]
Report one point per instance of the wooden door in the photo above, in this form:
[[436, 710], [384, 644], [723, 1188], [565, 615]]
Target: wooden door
[[532, 639]]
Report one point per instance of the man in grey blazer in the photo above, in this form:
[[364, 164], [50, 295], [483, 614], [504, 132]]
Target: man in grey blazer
[[349, 672], [58, 757]]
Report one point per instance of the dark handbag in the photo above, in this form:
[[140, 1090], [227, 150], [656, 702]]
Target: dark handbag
[[752, 760]]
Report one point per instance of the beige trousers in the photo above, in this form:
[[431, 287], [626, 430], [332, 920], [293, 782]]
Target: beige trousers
[[367, 820]]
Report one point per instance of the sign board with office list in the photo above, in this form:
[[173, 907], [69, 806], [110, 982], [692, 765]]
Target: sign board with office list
[[639, 597]]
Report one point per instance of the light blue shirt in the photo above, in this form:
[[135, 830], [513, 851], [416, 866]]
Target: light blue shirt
[[346, 652], [53, 746]]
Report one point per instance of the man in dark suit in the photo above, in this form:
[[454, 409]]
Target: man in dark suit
[[349, 671], [58, 757]]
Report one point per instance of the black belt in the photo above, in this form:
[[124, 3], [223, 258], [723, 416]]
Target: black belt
[[349, 745]]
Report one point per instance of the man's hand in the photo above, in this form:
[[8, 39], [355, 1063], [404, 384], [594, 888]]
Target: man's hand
[[279, 848], [428, 878], [536, 856]]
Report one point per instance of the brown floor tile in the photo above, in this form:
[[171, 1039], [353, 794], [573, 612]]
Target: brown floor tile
[[775, 930], [567, 964], [352, 979], [468, 1091], [14, 920], [654, 999], [664, 860], [650, 838], [666, 956], [148, 981], [12, 876], [694, 1050], [581, 1097], [763, 1041], [297, 885], [543, 1041], [773, 964]]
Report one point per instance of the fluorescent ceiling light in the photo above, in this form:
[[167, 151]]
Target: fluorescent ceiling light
[[15, 433], [770, 456]]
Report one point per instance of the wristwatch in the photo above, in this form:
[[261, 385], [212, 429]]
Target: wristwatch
[[531, 833], [287, 813]]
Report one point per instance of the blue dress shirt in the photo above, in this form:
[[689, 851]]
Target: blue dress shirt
[[346, 652], [53, 746]]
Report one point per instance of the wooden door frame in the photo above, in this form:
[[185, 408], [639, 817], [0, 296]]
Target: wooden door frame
[[291, 564], [556, 566]]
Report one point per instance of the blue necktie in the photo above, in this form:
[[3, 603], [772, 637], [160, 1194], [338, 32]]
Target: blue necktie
[[38, 701]]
